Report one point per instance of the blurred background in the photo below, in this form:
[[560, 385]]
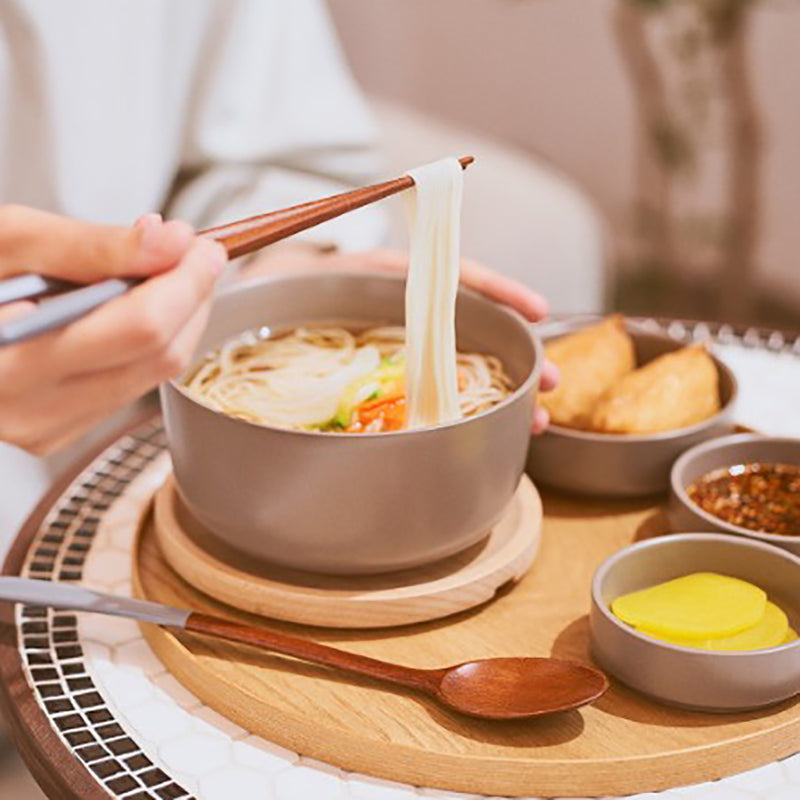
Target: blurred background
[[632, 154], [677, 118]]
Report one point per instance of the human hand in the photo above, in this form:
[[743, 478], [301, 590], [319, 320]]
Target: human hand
[[301, 257], [55, 387]]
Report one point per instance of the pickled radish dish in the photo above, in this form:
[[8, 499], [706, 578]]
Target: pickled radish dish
[[706, 611]]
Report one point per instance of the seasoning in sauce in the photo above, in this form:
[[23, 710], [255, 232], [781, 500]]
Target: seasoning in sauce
[[760, 497]]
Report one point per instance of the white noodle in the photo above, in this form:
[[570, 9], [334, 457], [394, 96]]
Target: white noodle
[[431, 380], [296, 381]]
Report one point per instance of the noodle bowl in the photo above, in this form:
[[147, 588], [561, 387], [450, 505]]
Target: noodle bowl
[[341, 503]]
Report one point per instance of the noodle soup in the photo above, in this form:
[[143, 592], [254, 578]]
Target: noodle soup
[[331, 379], [341, 503]]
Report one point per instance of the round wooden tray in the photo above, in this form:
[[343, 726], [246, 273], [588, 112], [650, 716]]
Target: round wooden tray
[[416, 595], [623, 744]]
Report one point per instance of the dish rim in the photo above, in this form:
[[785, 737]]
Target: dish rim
[[531, 380], [679, 489], [667, 540]]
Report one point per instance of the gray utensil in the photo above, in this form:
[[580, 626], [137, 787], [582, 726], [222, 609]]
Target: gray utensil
[[57, 311], [76, 598], [30, 287]]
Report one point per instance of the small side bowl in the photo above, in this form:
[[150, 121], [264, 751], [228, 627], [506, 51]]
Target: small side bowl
[[623, 465], [685, 515], [688, 677]]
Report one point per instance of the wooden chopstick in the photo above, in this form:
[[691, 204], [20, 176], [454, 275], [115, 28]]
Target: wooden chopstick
[[253, 233], [239, 238]]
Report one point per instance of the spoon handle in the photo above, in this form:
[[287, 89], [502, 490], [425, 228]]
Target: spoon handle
[[305, 650]]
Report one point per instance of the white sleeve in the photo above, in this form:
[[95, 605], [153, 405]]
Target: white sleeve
[[276, 119]]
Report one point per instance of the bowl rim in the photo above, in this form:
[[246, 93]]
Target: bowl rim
[[528, 384], [602, 572], [637, 329], [679, 489]]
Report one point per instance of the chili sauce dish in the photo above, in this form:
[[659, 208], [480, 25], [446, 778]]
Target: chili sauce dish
[[705, 621], [745, 484]]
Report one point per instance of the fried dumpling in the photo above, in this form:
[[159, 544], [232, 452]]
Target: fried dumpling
[[672, 391], [590, 362]]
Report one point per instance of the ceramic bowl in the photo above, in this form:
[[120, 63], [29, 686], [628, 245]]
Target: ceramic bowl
[[341, 503], [622, 465], [689, 677], [727, 451]]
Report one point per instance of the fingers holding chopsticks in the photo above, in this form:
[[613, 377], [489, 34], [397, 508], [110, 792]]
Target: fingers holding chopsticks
[[58, 385], [33, 241]]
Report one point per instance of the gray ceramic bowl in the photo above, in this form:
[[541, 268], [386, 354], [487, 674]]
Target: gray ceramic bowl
[[622, 465], [344, 503], [684, 515], [688, 677]]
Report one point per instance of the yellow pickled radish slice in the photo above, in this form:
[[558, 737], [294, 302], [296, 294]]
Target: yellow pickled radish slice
[[703, 605], [679, 640], [791, 636], [769, 631]]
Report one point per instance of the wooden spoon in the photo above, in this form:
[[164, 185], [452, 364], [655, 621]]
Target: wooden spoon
[[492, 688]]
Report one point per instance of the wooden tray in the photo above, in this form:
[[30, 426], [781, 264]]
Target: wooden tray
[[623, 744], [454, 584]]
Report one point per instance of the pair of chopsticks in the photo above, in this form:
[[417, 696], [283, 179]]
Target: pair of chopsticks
[[63, 302]]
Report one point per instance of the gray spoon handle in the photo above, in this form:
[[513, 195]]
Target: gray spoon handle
[[64, 595]]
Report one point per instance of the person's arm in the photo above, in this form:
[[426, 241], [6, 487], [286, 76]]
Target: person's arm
[[55, 387], [276, 119]]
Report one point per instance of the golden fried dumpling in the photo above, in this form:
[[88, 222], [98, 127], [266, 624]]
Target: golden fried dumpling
[[590, 361], [672, 391]]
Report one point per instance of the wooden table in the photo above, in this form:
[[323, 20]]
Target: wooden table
[[95, 714]]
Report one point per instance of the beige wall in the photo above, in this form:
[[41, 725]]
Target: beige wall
[[547, 76]]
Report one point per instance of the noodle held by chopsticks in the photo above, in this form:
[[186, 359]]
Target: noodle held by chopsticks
[[385, 379], [431, 287]]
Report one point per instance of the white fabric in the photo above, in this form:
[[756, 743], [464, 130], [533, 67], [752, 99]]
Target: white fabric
[[102, 103]]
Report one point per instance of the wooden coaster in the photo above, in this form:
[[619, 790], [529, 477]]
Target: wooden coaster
[[621, 745], [454, 584]]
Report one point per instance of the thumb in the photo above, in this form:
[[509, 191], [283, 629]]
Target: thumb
[[36, 241]]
